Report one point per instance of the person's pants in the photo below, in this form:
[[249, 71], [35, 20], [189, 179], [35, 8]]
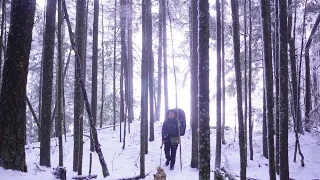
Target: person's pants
[[170, 152]]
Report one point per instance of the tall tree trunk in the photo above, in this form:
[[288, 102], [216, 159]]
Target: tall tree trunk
[[102, 80], [80, 35], [308, 78], [164, 46], [267, 66], [48, 54], [158, 105], [276, 72], [283, 97], [249, 85], [144, 92], [13, 90], [203, 97], [41, 69], [218, 93], [160, 47], [236, 47], [60, 76], [150, 71], [301, 51], [130, 66], [245, 79], [94, 65], [123, 59], [194, 83], [223, 75], [294, 80], [114, 64]]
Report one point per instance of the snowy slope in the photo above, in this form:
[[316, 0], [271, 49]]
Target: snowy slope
[[125, 163]]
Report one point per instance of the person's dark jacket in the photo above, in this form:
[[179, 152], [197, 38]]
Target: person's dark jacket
[[170, 128]]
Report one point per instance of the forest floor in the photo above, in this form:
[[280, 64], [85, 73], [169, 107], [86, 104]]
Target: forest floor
[[125, 163]]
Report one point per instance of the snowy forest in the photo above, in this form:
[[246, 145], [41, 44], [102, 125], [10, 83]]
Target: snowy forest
[[86, 87]]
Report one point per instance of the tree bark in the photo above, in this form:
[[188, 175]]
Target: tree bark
[[203, 84], [223, 75], [150, 71], [13, 90], [114, 64], [236, 47], [80, 35], [159, 95], [165, 66], [103, 75], [267, 66], [276, 72], [94, 65], [194, 115], [283, 96], [46, 97], [218, 93], [130, 66], [144, 91], [60, 77], [249, 85]]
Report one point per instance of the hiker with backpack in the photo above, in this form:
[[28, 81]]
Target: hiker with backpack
[[170, 135]]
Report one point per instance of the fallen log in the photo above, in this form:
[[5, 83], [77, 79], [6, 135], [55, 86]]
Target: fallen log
[[85, 177]]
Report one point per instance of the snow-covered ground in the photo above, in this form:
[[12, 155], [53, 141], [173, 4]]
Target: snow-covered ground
[[125, 163]]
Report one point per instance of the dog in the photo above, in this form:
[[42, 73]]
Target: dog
[[160, 175]]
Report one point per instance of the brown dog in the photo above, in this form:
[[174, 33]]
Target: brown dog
[[160, 175]]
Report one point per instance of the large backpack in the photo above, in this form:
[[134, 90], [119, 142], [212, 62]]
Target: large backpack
[[181, 117]]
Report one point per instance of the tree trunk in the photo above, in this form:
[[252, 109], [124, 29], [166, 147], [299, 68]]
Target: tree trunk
[[102, 80], [144, 92], [203, 97], [223, 75], [249, 86], [300, 62], [60, 76], [294, 80], [158, 105], [276, 72], [308, 125], [283, 97], [46, 97], [114, 63], [13, 90], [80, 35], [150, 71], [236, 47], [218, 93], [94, 65], [123, 59], [194, 83], [267, 66], [130, 66], [245, 80], [165, 66]]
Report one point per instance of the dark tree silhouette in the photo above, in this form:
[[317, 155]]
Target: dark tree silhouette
[[14, 82]]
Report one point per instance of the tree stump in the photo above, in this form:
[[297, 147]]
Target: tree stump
[[60, 173]]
